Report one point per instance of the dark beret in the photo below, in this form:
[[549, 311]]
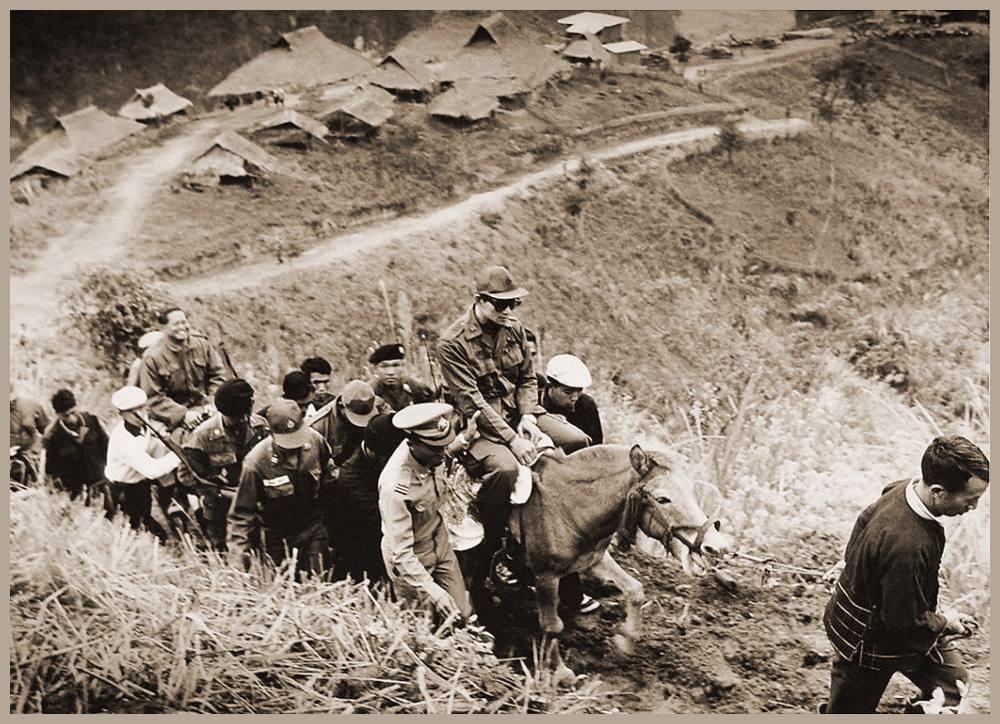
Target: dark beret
[[387, 352]]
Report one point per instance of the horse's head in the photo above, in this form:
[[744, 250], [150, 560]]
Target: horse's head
[[664, 507]]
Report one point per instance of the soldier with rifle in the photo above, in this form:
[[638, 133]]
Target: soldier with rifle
[[214, 452]]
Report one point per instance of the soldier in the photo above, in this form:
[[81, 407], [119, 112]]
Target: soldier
[[392, 383], [416, 549], [180, 374], [355, 524], [486, 364], [281, 493], [346, 419], [136, 460], [76, 447], [319, 371], [882, 617], [216, 450]]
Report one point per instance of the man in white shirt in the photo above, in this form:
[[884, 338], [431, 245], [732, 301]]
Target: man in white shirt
[[136, 458]]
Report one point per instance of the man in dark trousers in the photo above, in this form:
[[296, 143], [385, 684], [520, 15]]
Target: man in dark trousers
[[283, 484], [354, 521], [882, 617], [216, 450], [76, 449]]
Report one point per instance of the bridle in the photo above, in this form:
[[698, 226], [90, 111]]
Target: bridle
[[641, 494]]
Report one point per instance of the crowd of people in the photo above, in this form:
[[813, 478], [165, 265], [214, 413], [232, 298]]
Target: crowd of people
[[356, 483]]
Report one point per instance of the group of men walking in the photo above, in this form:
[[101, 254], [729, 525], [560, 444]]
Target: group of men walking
[[355, 483]]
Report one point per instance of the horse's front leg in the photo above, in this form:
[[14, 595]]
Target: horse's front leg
[[609, 571], [547, 589]]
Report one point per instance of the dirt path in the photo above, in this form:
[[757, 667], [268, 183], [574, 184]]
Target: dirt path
[[410, 227], [34, 295], [721, 70]]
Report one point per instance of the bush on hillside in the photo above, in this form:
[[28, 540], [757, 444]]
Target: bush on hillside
[[113, 308], [855, 78], [731, 139], [680, 47]]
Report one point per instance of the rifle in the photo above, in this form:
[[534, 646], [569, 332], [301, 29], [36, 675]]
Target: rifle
[[225, 352], [438, 391], [388, 310], [177, 450]]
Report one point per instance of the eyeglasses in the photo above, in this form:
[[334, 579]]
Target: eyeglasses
[[502, 305]]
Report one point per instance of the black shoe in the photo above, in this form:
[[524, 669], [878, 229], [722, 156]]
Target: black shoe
[[588, 604], [503, 574]]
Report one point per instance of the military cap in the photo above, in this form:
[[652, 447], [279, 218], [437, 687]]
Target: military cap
[[285, 418], [387, 352], [128, 398], [426, 422], [496, 282]]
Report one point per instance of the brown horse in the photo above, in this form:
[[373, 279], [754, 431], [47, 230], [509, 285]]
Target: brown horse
[[580, 501]]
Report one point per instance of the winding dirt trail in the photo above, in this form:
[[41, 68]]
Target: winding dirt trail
[[450, 217]]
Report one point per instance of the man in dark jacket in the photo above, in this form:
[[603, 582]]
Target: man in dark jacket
[[216, 450], [566, 378], [76, 448], [391, 382], [282, 486], [353, 517], [319, 371], [882, 617]]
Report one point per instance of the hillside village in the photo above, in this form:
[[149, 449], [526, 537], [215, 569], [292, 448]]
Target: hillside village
[[790, 302]]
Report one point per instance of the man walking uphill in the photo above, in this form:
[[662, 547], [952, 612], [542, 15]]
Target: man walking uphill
[[882, 617]]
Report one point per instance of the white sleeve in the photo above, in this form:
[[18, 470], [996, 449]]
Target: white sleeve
[[135, 456]]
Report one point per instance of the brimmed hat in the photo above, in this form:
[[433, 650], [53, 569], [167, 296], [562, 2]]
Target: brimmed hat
[[128, 398], [426, 422], [387, 352], [288, 430], [358, 400], [496, 281]]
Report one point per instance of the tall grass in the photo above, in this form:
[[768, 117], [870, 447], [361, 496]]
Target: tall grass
[[105, 619], [805, 463]]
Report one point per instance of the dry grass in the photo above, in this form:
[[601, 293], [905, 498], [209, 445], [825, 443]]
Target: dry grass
[[105, 619]]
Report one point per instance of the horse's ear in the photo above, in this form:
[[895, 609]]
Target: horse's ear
[[639, 460]]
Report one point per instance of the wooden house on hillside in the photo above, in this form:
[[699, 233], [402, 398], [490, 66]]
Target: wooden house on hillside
[[607, 28], [153, 104], [290, 129], [232, 159]]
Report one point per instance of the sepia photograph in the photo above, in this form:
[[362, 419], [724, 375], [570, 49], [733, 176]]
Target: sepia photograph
[[499, 361]]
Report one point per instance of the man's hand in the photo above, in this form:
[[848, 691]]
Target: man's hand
[[523, 450], [471, 431], [445, 604], [193, 417], [961, 624]]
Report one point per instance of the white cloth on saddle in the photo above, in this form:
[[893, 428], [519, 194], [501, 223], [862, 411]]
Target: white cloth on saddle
[[522, 487]]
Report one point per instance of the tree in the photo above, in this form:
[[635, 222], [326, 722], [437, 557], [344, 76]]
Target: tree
[[680, 47], [113, 308], [731, 139], [855, 78]]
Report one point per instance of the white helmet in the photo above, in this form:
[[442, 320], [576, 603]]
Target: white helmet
[[568, 371]]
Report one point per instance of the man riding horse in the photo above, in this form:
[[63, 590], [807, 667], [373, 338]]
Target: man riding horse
[[488, 369]]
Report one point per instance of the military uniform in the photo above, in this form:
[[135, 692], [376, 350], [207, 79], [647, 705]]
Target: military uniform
[[176, 379], [216, 455], [492, 372], [409, 391], [344, 437], [418, 555], [280, 498]]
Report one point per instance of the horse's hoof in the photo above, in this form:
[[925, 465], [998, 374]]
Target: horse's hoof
[[624, 646], [564, 677]]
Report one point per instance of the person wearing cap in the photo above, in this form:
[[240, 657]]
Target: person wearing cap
[[319, 371], [180, 374], [148, 340], [279, 503], [348, 416], [216, 449], [353, 516], [76, 447], [136, 460], [419, 558], [486, 364], [566, 378], [391, 382]]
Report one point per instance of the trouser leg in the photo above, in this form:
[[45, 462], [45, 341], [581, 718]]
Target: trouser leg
[[934, 674], [498, 473], [566, 436], [854, 690], [448, 574]]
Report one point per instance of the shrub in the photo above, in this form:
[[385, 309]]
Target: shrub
[[113, 308]]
